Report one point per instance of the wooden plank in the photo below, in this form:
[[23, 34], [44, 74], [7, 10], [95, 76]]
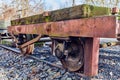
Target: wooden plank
[[89, 27], [76, 12], [91, 56]]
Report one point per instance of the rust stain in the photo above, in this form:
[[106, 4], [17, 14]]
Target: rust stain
[[19, 29], [88, 27]]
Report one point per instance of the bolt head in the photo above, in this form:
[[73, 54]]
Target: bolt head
[[115, 10]]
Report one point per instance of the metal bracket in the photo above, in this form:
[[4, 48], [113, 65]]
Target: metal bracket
[[91, 56], [30, 42]]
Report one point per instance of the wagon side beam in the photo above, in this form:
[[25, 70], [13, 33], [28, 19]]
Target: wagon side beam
[[105, 26]]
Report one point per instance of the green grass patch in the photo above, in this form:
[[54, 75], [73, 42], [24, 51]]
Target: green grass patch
[[5, 42]]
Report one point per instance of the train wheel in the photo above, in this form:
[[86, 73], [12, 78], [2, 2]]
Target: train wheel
[[71, 54], [28, 50]]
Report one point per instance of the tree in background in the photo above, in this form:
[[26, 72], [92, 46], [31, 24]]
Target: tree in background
[[28, 7], [24, 8], [105, 3], [21, 8]]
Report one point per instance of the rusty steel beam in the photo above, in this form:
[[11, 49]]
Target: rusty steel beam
[[30, 42], [105, 26], [91, 56]]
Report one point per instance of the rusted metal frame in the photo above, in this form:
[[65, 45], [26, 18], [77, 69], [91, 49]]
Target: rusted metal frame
[[91, 56], [30, 42], [91, 27], [87, 27]]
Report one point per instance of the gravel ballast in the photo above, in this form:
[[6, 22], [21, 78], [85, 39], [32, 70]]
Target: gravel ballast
[[19, 67]]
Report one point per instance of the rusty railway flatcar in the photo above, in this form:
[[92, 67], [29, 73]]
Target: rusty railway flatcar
[[75, 33]]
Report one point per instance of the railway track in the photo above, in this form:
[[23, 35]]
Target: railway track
[[18, 52]]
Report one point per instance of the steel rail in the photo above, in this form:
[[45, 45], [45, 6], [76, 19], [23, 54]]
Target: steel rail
[[11, 49], [40, 60]]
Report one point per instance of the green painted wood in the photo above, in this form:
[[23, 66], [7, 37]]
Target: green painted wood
[[76, 12]]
